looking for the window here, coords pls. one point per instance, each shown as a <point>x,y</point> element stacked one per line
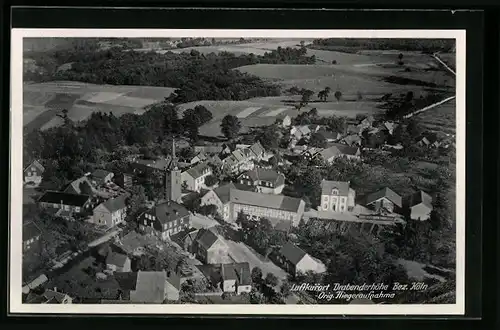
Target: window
<point>335,191</point>
<point>145,222</point>
<point>77,209</point>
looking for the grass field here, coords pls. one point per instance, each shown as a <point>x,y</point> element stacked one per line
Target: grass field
<point>441,120</point>
<point>44,100</point>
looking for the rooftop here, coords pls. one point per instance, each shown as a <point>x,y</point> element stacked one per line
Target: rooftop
<point>168,212</point>
<point>420,197</point>
<point>338,149</point>
<point>57,197</point>
<point>292,253</point>
<point>278,202</point>
<point>384,193</point>
<point>223,192</point>
<point>264,174</point>
<point>328,186</point>
<point>150,288</point>
<point>117,203</point>
<point>199,170</point>
<point>100,174</point>
<point>206,238</point>
<point>116,259</point>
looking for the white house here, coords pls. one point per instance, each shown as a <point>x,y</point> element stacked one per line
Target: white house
<point>337,196</point>
<point>111,212</point>
<point>195,176</point>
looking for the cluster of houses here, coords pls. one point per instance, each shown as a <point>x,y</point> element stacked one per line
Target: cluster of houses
<point>373,212</point>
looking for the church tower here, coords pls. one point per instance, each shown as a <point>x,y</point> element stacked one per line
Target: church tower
<point>173,179</point>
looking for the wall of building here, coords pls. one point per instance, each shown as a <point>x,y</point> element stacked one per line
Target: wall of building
<point>258,211</point>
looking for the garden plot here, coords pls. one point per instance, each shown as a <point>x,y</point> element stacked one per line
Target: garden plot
<point>247,112</point>
<point>102,97</point>
<point>274,113</point>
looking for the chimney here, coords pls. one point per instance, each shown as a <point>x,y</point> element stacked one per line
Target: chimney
<point>55,289</point>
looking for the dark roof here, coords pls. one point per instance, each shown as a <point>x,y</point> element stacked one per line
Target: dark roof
<point>387,193</point>
<point>237,271</point>
<point>168,212</point>
<point>338,149</point>
<point>126,280</point>
<point>75,186</point>
<point>282,225</point>
<point>278,202</point>
<point>420,197</point>
<point>30,230</point>
<point>198,170</point>
<point>37,164</point>
<point>328,186</point>
<point>100,174</point>
<point>292,253</point>
<point>54,296</point>
<point>206,238</point>
<point>223,192</point>
<point>257,149</point>
<point>115,204</point>
<point>56,197</point>
<point>174,280</point>
<point>116,259</point>
<point>265,174</point>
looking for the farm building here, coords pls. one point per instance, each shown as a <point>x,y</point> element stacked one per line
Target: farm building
<point>73,203</point>
<point>267,181</point>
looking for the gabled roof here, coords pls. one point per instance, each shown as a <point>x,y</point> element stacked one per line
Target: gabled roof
<point>158,164</point>
<point>75,187</point>
<point>56,197</point>
<point>223,192</point>
<point>36,164</point>
<point>206,238</point>
<point>30,230</point>
<point>54,296</point>
<point>351,139</point>
<point>116,259</point>
<point>279,202</point>
<point>264,174</point>
<point>150,287</point>
<point>237,271</point>
<point>338,149</point>
<point>117,203</point>
<point>208,149</point>
<point>100,174</point>
<point>238,155</point>
<point>387,193</point>
<point>257,149</point>
<point>292,253</point>
<point>168,212</point>
<point>420,197</point>
<point>174,280</point>
<point>328,186</point>
<point>198,170</point>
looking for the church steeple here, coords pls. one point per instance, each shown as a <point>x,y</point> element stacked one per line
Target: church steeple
<point>173,191</point>
<point>174,161</point>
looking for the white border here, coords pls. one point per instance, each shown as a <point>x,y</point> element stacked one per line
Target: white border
<point>16,192</point>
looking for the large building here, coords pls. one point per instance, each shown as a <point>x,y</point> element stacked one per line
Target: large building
<point>338,150</point>
<point>111,212</point>
<point>337,196</point>
<point>194,177</point>
<point>73,203</point>
<point>275,208</point>
<point>165,219</point>
<point>220,198</point>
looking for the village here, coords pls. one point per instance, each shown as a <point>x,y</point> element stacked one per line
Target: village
<point>189,246</point>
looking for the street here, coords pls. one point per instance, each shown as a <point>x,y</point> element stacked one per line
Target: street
<point>200,221</point>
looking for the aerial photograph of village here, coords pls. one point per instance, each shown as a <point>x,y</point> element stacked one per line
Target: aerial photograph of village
<point>239,171</point>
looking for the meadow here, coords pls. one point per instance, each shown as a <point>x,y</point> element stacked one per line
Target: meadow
<point>43,101</point>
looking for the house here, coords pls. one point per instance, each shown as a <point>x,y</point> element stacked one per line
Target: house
<point>310,153</point>
<point>111,212</point>
<point>337,150</point>
<point>351,140</point>
<point>199,157</point>
<point>258,150</point>
<point>73,203</point>
<point>195,176</point>
<point>164,219</point>
<point>420,205</point>
<point>300,132</point>
<point>337,196</point>
<point>33,173</point>
<point>220,198</point>
<point>267,181</point>
<point>283,120</point>
<point>276,208</point>
<point>141,166</point>
<point>155,288</point>
<point>31,235</point>
<point>101,177</point>
<point>124,180</point>
<point>423,142</point>
<point>384,200</point>
<point>330,136</point>
<point>239,160</point>
<point>236,277</point>
<point>366,123</point>
<point>186,239</point>
<point>118,262</point>
<point>81,186</point>
<point>49,297</point>
<point>294,260</point>
<point>389,127</point>
<point>210,248</point>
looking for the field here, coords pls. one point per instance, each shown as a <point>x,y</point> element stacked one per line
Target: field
<point>43,101</point>
<point>441,120</point>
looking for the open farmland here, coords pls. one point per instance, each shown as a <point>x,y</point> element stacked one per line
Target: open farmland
<point>440,120</point>
<point>43,101</point>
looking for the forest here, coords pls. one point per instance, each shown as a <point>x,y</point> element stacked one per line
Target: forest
<point>196,76</point>
<point>353,45</point>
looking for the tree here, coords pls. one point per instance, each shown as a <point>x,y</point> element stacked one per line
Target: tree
<point>271,280</point>
<point>285,288</point>
<point>317,140</point>
<point>256,276</point>
<point>360,96</point>
<point>338,95</point>
<point>306,95</point>
<point>230,126</point>
<point>400,56</point>
<point>269,138</point>
<point>137,199</point>
<point>211,180</point>
<point>334,62</point>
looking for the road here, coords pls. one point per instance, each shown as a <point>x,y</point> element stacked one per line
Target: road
<point>432,106</point>
<point>435,55</point>
<point>200,221</point>
<point>242,253</point>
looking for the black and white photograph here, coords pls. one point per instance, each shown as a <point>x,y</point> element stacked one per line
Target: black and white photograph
<point>231,168</point>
